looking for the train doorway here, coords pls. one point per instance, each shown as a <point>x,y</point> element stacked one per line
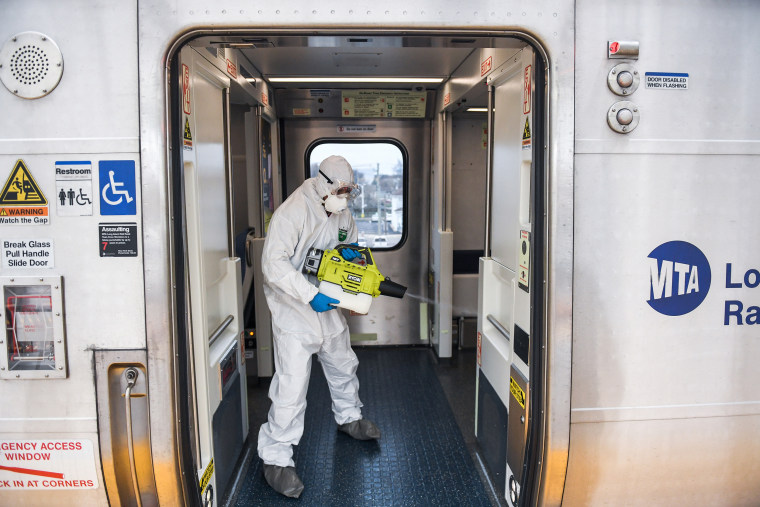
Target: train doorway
<point>458,219</point>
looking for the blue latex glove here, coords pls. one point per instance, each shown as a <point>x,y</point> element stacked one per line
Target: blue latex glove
<point>322,303</point>
<point>350,254</point>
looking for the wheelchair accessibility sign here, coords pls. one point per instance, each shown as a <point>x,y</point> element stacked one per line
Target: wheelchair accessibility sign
<point>117,187</point>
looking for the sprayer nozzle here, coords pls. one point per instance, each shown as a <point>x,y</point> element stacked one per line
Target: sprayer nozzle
<point>392,289</point>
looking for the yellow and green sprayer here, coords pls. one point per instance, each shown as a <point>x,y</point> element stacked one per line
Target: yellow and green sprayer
<point>354,283</point>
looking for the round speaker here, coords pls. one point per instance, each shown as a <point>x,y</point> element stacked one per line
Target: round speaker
<point>31,65</point>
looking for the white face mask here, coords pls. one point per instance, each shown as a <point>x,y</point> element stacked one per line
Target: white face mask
<point>335,204</point>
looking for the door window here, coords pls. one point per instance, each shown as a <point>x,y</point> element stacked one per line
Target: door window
<point>380,171</point>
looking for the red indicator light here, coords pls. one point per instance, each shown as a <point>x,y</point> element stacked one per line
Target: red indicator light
<point>614,47</point>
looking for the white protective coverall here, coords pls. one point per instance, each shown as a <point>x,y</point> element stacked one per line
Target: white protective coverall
<point>299,224</point>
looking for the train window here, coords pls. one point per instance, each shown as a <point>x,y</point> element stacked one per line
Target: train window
<point>380,170</point>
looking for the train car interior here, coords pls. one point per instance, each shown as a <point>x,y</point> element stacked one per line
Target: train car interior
<point>445,134</point>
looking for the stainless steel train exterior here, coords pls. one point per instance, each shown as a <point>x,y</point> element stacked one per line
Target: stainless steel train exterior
<point>611,188</point>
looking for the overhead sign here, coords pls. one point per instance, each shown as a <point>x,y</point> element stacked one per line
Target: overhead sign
<point>185,89</point>
<point>666,80</point>
<point>21,199</point>
<point>355,129</point>
<point>117,187</point>
<point>47,464</point>
<point>527,89</point>
<point>383,104</point>
<point>73,187</point>
<point>28,253</point>
<point>485,66</point>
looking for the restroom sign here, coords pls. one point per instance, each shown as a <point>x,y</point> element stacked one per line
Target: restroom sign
<point>47,464</point>
<point>73,188</point>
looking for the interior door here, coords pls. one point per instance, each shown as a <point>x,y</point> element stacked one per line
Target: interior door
<point>506,282</point>
<point>214,276</point>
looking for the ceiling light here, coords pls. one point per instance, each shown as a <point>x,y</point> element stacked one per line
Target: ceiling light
<point>355,79</point>
<point>477,109</point>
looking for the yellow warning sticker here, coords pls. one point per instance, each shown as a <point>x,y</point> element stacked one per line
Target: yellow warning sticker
<point>526,130</point>
<point>517,392</point>
<point>207,475</point>
<point>188,137</point>
<point>20,189</point>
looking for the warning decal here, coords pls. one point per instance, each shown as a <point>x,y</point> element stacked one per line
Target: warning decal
<point>517,392</point>
<point>526,134</point>
<point>47,464</point>
<point>188,137</point>
<point>207,475</point>
<point>21,189</point>
<point>21,200</point>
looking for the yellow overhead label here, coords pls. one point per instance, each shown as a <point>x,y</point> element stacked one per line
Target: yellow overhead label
<point>21,189</point>
<point>383,104</point>
<point>517,392</point>
<point>207,475</point>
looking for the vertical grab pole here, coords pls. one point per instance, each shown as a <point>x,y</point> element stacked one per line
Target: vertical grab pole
<point>131,376</point>
<point>489,172</point>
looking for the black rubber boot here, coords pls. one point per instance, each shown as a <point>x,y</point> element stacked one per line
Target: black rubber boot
<point>284,480</point>
<point>361,429</point>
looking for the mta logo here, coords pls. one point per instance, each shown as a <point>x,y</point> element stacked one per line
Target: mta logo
<point>679,277</point>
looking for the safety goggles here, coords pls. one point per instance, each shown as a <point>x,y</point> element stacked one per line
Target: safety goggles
<point>344,188</point>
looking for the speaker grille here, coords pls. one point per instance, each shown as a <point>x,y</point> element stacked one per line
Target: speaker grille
<point>31,65</point>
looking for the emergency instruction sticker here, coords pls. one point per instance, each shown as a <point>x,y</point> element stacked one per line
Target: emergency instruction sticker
<point>28,253</point>
<point>118,240</point>
<point>47,464</point>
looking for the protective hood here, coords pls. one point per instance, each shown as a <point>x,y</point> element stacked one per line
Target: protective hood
<point>337,169</point>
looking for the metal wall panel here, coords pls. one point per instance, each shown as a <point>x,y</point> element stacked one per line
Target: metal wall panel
<point>658,397</point>
<point>92,115</point>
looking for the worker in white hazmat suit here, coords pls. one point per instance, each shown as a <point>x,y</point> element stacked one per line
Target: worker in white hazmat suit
<point>305,322</point>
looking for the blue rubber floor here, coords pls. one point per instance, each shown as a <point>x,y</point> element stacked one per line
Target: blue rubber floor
<point>421,459</point>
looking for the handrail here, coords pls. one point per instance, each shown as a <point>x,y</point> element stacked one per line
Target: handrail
<point>498,326</point>
<point>131,375</point>
<point>220,329</point>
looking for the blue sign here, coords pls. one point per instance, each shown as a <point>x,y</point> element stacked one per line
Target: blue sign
<point>679,276</point>
<point>117,187</point>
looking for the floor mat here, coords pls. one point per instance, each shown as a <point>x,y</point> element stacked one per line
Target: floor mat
<point>421,458</point>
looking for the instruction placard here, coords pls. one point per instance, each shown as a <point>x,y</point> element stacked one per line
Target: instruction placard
<point>73,187</point>
<point>118,240</point>
<point>383,104</point>
<point>21,199</point>
<point>47,464</point>
<point>28,253</point>
<point>667,80</point>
